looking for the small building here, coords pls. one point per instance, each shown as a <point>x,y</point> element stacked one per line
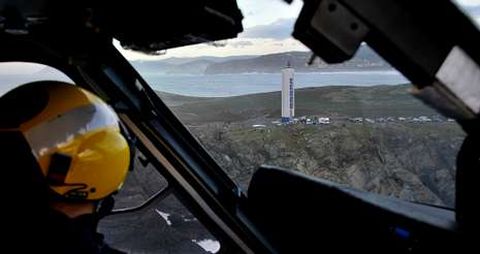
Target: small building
<point>324,120</point>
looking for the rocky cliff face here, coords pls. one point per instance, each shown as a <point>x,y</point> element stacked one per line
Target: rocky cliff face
<point>398,160</point>
<point>406,160</point>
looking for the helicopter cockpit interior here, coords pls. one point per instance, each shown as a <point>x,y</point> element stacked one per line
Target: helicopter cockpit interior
<point>433,44</point>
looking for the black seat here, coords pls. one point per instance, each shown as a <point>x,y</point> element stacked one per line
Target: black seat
<point>24,194</point>
<point>301,214</point>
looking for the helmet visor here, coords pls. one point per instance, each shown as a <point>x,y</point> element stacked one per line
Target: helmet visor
<point>60,130</point>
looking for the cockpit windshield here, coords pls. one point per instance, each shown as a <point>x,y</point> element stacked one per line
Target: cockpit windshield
<point>263,99</point>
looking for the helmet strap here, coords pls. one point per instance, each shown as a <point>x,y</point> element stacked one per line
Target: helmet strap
<point>58,169</point>
<point>105,207</point>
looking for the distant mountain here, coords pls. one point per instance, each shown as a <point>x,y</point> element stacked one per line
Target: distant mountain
<point>149,67</point>
<point>193,67</point>
<point>183,65</point>
<point>215,59</point>
<point>364,59</point>
<point>271,63</point>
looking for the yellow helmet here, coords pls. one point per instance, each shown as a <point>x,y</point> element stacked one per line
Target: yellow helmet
<point>74,136</point>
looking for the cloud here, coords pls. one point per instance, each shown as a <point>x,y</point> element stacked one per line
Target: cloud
<point>263,12</point>
<point>279,30</point>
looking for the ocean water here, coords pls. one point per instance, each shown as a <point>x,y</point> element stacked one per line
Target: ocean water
<point>223,85</point>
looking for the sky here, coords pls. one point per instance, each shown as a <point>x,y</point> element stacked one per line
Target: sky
<point>472,7</point>
<point>469,2</point>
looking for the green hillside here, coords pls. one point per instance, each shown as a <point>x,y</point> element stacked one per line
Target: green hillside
<point>410,159</point>
<point>334,101</point>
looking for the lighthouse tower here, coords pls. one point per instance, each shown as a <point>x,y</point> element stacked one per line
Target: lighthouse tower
<point>288,94</point>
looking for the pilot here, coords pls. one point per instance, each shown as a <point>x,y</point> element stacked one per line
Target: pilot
<point>79,156</point>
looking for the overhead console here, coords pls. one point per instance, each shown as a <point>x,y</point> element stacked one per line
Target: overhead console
<point>150,26</point>
<point>142,25</point>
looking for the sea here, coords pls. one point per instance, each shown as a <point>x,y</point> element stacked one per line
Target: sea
<point>224,85</point>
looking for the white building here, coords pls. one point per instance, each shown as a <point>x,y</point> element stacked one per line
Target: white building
<point>288,94</point>
<point>324,120</point>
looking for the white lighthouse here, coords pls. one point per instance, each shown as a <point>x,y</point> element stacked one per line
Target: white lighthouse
<point>288,94</point>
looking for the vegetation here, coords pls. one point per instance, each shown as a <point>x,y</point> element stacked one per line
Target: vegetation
<point>411,160</point>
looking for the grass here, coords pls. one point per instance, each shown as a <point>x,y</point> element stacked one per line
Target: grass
<point>341,101</point>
